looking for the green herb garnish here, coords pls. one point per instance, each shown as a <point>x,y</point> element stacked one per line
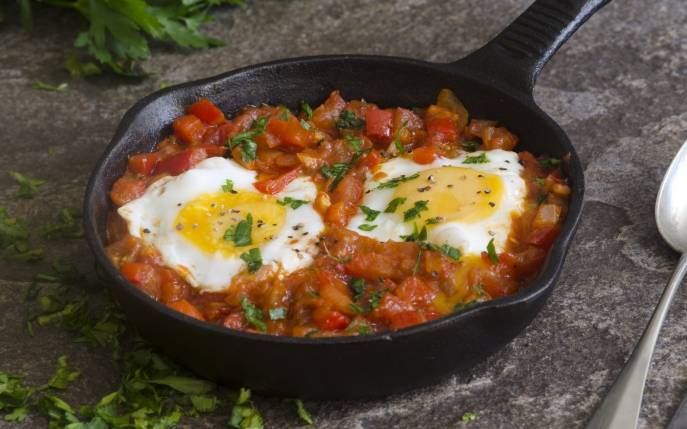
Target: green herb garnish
<point>259,125</point>
<point>396,182</point>
<point>413,212</point>
<point>241,234</point>
<point>468,417</point>
<point>253,259</point>
<point>469,145</point>
<point>70,228</point>
<point>294,203</point>
<point>28,187</point>
<point>549,162</point>
<point>229,186</point>
<point>357,285</point>
<point>253,315</point>
<point>491,252</point>
<point>277,313</point>
<point>398,143</point>
<point>339,260</point>
<point>367,227</point>
<point>371,214</point>
<point>358,309</point>
<point>305,125</point>
<point>41,85</point>
<point>305,107</point>
<point>393,205</point>
<point>337,171</point>
<point>478,159</point>
<point>347,119</point>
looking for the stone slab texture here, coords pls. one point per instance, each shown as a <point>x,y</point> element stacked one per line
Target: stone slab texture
<point>617,87</point>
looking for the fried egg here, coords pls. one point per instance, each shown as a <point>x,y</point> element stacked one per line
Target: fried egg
<point>462,203</point>
<point>186,218</point>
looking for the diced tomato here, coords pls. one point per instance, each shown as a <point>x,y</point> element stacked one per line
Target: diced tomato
<point>218,136</point>
<point>189,129</point>
<point>328,320</point>
<point>543,238</point>
<point>379,124</point>
<point>373,265</point>
<point>186,308</point>
<point>127,189</point>
<point>425,155</point>
<point>290,133</point>
<point>406,318</point>
<point>415,291</point>
<point>277,184</point>
<point>492,283</point>
<point>206,112</point>
<point>349,190</point>
<point>372,159</point>
<point>143,163</point>
<point>324,116</point>
<point>340,213</point>
<point>443,128</point>
<point>334,292</point>
<point>187,159</point>
<point>144,276</point>
<point>498,138</point>
<point>235,321</point>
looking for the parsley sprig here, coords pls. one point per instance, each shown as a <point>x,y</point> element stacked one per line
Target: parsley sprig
<point>396,181</point>
<point>240,234</point>
<point>347,119</point>
<point>337,171</point>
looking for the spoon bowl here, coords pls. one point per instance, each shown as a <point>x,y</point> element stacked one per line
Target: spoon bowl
<point>495,82</point>
<point>620,408</point>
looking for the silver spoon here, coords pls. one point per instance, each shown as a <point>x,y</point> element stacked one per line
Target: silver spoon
<point>620,408</point>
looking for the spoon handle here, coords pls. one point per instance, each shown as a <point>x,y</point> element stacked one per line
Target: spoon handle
<point>620,408</point>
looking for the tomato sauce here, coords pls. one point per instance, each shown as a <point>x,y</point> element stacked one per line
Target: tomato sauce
<point>356,284</point>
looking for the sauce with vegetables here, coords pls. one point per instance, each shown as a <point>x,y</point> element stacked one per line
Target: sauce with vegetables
<point>346,219</point>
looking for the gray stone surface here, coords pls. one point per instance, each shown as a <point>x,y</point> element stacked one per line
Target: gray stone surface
<point>617,87</point>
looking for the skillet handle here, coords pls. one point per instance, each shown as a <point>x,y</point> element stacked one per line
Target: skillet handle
<point>516,56</point>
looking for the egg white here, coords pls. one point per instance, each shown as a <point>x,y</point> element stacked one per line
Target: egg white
<point>470,238</point>
<point>152,218</point>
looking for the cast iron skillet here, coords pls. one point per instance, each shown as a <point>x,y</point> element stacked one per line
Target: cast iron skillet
<point>494,82</point>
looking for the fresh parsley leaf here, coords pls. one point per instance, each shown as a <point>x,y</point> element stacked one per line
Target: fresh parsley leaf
<point>393,204</point>
<point>358,309</point>
<point>431,221</point>
<point>253,315</point>
<point>32,291</point>
<point>313,332</point>
<point>469,145</point>
<point>468,417</point>
<point>241,234</point>
<point>187,385</point>
<point>253,259</point>
<point>314,294</point>
<point>337,171</point>
<point>339,260</point>
<point>413,212</point>
<point>417,263</point>
<point>543,195</point>
<point>164,85</point>
<point>416,235</point>
<point>229,186</point>
<point>69,229</point>
<point>396,182</point>
<point>294,203</point>
<point>491,251</point>
<point>248,151</point>
<point>284,116</point>
<point>478,159</point>
<point>78,69</point>
<point>375,297</point>
<point>371,214</point>
<point>347,119</point>
<point>244,140</point>
<point>364,328</point>
<point>41,85</point>
<point>367,227</point>
<point>63,376</point>
<point>549,162</point>
<point>28,187</point>
<point>450,251</point>
<point>277,313</point>
<point>357,285</point>
<point>398,143</point>
<point>302,413</point>
<point>305,107</point>
<point>355,144</point>
<point>305,125</point>
<point>259,124</point>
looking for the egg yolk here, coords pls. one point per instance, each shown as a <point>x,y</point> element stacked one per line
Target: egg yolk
<point>204,220</point>
<point>453,194</point>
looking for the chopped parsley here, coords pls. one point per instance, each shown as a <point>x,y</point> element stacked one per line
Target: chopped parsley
<point>241,234</point>
<point>305,125</point>
<point>41,85</point>
<point>398,143</point>
<point>253,315</point>
<point>253,259</point>
<point>284,116</point>
<point>371,214</point>
<point>478,159</point>
<point>355,144</point>
<point>339,260</point>
<point>549,162</point>
<point>469,145</point>
<point>305,107</point>
<point>396,182</point>
<point>314,294</point>
<point>244,140</point>
<point>14,235</point>
<point>393,205</point>
<point>347,119</point>
<point>468,417</point>
<point>460,306</point>
<point>229,186</point>
<point>358,309</point>
<point>70,228</point>
<point>491,252</point>
<point>543,195</point>
<point>357,285</point>
<point>243,414</point>
<point>28,187</point>
<point>277,313</point>
<point>337,171</point>
<point>375,297</point>
<point>302,413</point>
<point>413,212</point>
<point>420,237</point>
<point>417,263</point>
<point>367,227</point>
<point>294,203</point>
<point>258,124</point>
<point>362,327</point>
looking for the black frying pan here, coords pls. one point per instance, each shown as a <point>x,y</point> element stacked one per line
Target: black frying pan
<point>494,82</point>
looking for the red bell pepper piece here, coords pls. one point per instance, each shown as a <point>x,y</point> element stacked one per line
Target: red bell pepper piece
<point>187,159</point>
<point>379,124</point>
<point>206,112</point>
<point>425,155</point>
<point>144,163</point>
<point>277,184</point>
<point>189,129</point>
